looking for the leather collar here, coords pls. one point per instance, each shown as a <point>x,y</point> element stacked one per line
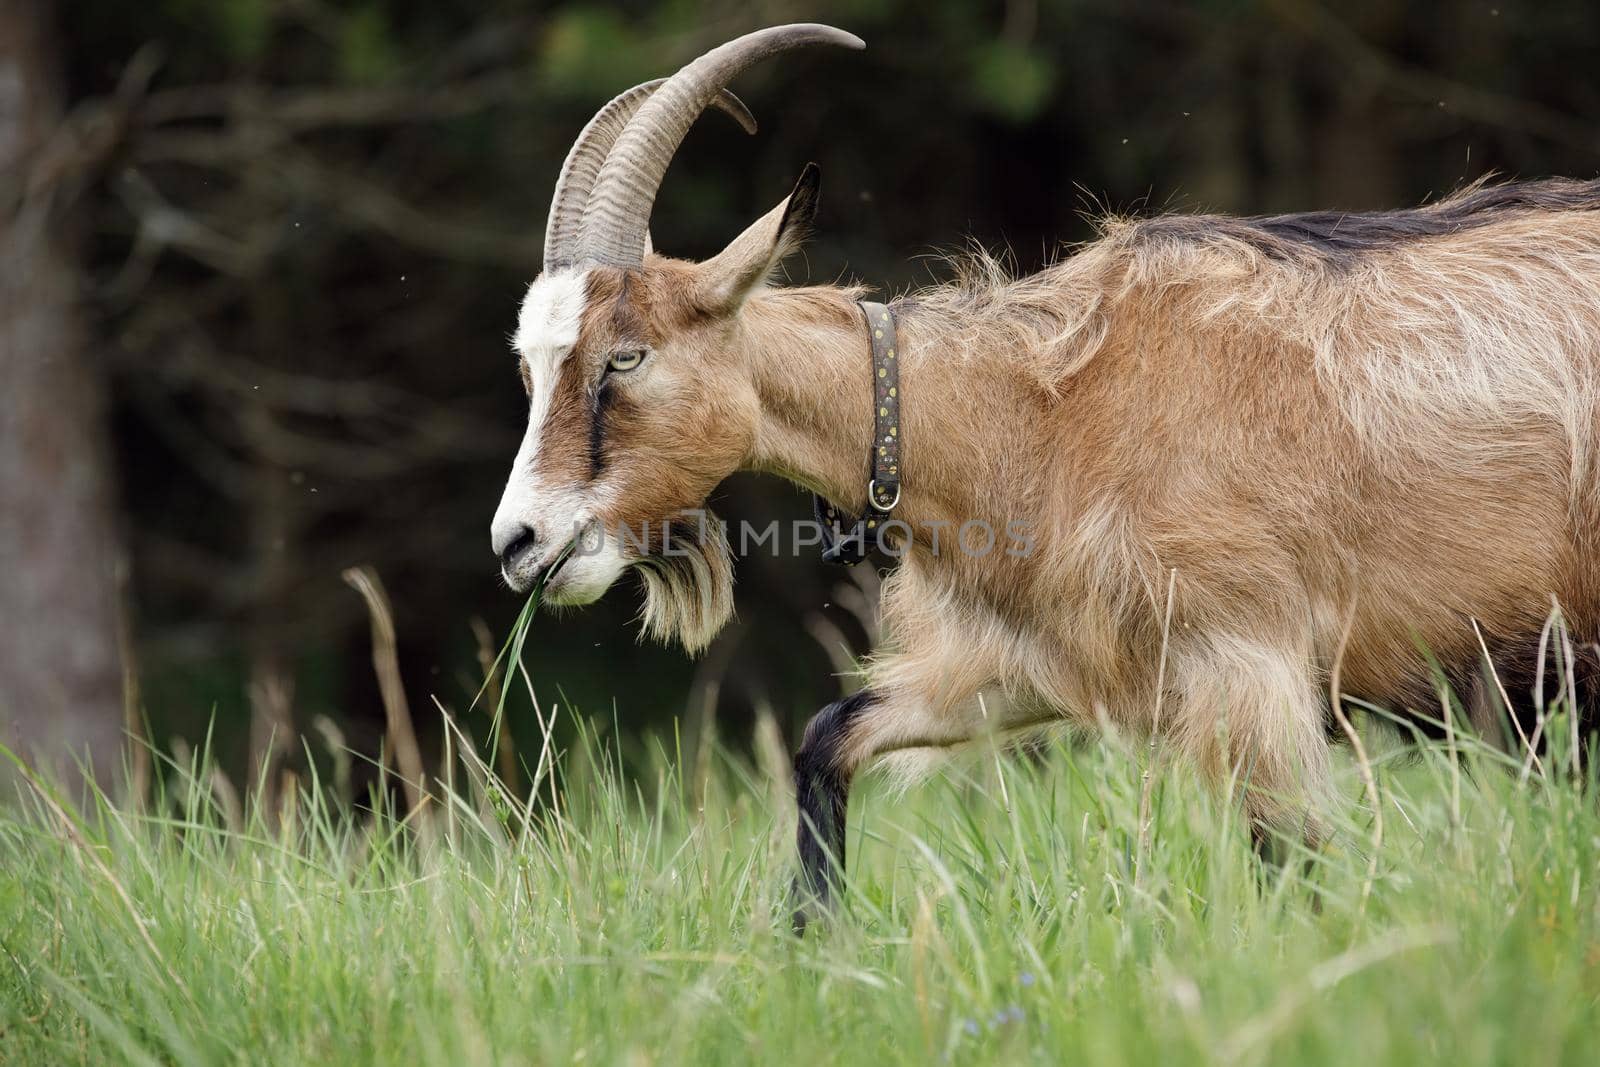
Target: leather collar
<point>847,539</point>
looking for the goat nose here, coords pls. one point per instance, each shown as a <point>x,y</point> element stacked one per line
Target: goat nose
<point>521,545</point>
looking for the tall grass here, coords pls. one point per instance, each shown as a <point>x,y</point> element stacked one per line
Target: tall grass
<point>1015,908</point>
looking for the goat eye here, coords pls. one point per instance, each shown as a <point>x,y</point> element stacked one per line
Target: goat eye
<point>626,360</point>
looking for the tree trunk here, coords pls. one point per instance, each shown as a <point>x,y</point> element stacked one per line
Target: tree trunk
<point>61,684</point>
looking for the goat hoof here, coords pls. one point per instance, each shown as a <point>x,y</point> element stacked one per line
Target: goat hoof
<point>809,909</point>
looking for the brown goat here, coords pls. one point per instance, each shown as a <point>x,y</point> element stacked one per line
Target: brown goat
<point>1330,436</point>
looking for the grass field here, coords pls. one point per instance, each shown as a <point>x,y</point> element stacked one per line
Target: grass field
<point>1012,909</point>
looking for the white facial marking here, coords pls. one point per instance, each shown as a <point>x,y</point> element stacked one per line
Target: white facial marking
<point>547,330</point>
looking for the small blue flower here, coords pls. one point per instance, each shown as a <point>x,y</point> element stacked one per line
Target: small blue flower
<point>1014,1013</point>
<point>1026,978</point>
<point>971,1027</point>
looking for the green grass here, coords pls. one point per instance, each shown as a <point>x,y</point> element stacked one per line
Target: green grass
<point>647,923</point>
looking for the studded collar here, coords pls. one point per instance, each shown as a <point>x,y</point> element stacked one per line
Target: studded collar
<point>847,539</point>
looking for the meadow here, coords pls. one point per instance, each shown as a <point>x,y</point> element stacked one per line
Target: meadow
<point>1081,904</point>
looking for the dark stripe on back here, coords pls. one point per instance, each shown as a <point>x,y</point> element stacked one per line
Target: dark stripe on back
<point>1342,234</point>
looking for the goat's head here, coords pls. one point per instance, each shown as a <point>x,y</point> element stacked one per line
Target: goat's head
<point>636,409</point>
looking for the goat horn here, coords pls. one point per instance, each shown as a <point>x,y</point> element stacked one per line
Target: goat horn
<point>618,212</point>
<point>587,155</point>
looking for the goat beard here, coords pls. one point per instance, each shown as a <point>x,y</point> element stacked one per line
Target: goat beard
<point>688,582</point>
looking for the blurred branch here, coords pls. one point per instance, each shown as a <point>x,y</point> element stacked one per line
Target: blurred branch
<point>84,140</point>
<point>192,360</point>
<point>251,118</point>
<point>355,197</point>
<point>307,179</point>
<point>1466,101</point>
<point>298,111</point>
<point>162,225</point>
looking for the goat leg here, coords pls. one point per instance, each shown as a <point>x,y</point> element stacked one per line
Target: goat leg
<point>822,773</point>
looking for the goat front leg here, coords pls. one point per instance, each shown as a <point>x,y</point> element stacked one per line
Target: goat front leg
<point>840,740</point>
<point>822,772</point>
<point>1248,709</point>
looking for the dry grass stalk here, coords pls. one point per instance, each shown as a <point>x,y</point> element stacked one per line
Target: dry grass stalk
<point>1368,779</point>
<point>386,664</point>
<point>1147,789</point>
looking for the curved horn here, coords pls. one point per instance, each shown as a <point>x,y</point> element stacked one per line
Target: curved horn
<point>618,212</point>
<point>589,152</point>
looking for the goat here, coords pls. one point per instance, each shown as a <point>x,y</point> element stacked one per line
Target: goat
<point>1255,454</point>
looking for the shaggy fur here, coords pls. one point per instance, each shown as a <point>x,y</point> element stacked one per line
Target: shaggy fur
<point>688,582</point>
<point>1388,432</point>
<point>1320,432</point>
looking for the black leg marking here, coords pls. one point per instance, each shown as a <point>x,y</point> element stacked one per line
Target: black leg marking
<point>1274,851</point>
<point>822,787</point>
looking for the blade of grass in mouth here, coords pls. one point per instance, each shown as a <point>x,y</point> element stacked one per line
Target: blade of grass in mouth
<point>544,579</point>
<point>511,651</point>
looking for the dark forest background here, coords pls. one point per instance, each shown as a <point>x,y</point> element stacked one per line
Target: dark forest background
<point>259,260</point>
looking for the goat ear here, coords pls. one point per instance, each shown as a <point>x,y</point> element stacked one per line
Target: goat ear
<point>724,280</point>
